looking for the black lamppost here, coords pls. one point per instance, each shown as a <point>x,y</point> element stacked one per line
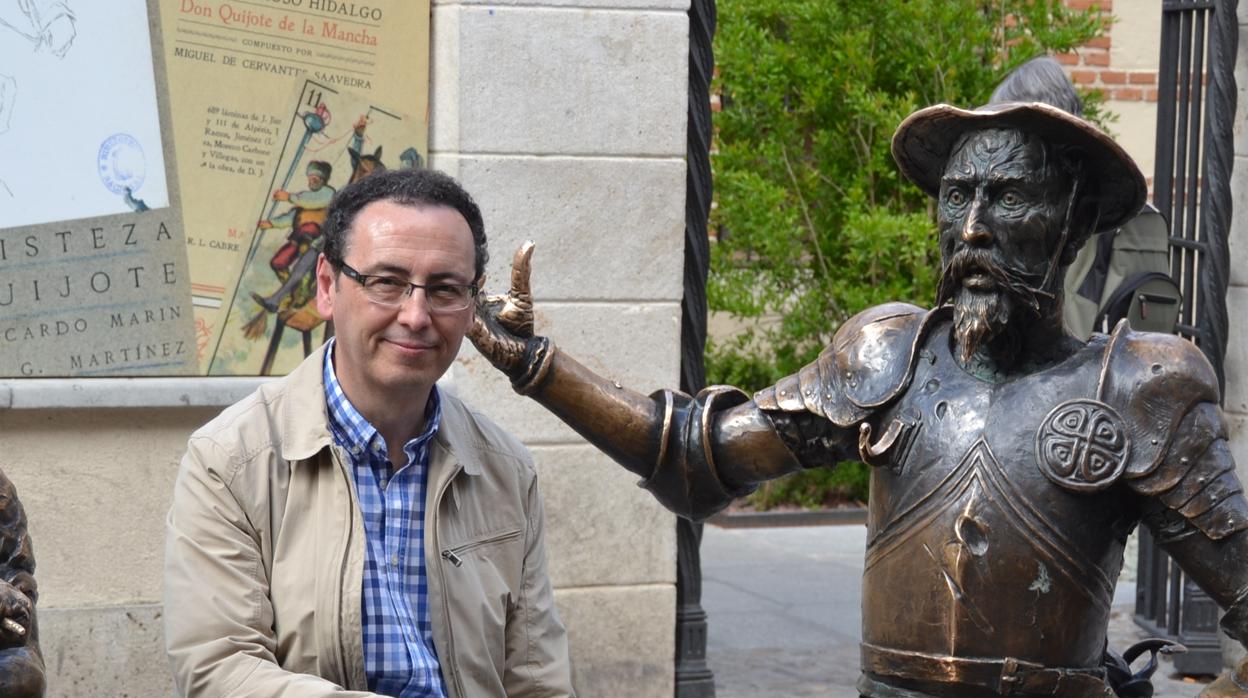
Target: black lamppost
<point>693,677</point>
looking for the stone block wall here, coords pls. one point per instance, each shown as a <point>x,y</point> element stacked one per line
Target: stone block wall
<point>1235,399</point>
<point>1235,403</point>
<point>566,120</point>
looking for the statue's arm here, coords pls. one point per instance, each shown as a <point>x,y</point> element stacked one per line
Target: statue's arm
<point>1194,505</point>
<point>694,453</point>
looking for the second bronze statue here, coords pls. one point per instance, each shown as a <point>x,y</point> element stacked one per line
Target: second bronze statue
<point>21,661</point>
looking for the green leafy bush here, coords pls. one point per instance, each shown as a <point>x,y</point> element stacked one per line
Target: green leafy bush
<point>813,221</point>
<point>815,489</point>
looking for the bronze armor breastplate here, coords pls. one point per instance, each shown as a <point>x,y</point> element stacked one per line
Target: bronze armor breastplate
<point>974,551</point>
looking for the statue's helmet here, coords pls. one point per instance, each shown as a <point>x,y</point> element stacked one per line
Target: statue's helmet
<point>923,144</point>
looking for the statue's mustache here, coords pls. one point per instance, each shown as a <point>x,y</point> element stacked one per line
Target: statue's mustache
<point>977,260</point>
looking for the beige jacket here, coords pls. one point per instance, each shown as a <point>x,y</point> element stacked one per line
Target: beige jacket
<point>264,557</point>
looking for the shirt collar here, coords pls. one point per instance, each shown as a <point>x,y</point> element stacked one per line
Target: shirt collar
<point>353,432</point>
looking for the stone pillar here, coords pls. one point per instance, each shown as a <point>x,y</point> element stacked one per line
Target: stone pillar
<point>566,119</point>
<point>1235,398</point>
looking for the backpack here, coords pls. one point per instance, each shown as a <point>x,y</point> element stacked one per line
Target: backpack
<point>1148,300</point>
<point>1124,274</point>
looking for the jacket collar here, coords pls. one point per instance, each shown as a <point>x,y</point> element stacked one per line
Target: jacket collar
<point>457,441</point>
<point>302,415</point>
<point>303,419</point>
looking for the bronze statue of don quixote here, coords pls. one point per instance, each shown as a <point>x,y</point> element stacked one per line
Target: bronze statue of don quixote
<point>1010,460</point>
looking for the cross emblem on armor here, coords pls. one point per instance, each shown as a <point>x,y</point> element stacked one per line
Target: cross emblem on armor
<point>1082,445</point>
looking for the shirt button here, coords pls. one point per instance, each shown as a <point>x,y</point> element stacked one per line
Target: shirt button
<point>355,449</point>
<point>394,560</point>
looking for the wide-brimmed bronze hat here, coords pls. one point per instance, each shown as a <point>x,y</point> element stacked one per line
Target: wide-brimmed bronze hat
<point>922,145</point>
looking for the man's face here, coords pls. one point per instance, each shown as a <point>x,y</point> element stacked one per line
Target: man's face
<point>391,354</point>
<point>1001,211</point>
<point>315,182</point>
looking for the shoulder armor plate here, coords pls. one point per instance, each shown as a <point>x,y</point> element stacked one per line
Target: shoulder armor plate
<point>1153,380</point>
<point>869,362</point>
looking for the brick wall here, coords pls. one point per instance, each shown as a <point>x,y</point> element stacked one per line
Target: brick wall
<point>1122,66</point>
<point>1092,65</point>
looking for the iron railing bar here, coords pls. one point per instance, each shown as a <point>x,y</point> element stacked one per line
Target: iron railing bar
<point>1192,169</point>
<point>1176,598</point>
<point>1188,330</point>
<point>1162,577</point>
<point>1198,245</point>
<point>1184,145</point>
<point>1194,106</point>
<point>1159,589</point>
<point>1178,217</point>
<point>1163,167</point>
<point>1163,174</point>
<point>1144,562</point>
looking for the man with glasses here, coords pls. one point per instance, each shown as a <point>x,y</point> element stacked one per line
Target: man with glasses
<point>351,530</point>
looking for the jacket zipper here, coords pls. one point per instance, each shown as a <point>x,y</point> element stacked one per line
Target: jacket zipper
<point>446,603</point>
<point>342,572</point>
<point>452,555</point>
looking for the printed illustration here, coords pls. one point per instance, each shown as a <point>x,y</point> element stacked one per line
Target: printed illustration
<point>233,69</point>
<point>46,24</point>
<point>334,138</point>
<point>73,93</point>
<point>51,27</point>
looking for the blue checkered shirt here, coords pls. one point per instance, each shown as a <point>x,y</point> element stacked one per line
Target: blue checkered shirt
<point>399,657</point>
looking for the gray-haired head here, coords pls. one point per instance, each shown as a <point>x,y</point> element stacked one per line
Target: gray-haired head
<point>1040,79</point>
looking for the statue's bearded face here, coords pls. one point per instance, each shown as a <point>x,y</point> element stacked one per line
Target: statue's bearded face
<point>1001,211</point>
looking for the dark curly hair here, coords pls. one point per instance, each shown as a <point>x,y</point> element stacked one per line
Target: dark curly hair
<point>408,187</point>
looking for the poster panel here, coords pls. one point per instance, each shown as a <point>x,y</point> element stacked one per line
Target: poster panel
<point>233,66</point>
<point>93,268</point>
<point>332,137</point>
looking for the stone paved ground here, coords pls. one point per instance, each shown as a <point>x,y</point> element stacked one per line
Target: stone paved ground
<point>785,615</point>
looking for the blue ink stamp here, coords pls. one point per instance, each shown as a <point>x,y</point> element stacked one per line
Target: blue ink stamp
<point>122,165</point>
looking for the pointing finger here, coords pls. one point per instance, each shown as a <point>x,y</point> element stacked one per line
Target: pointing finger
<point>521,265</point>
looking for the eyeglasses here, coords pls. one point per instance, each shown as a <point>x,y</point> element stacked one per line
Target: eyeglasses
<point>392,292</point>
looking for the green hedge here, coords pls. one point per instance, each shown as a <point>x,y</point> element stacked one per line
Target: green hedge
<point>813,222</point>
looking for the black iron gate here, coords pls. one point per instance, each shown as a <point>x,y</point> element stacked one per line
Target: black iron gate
<point>1191,187</point>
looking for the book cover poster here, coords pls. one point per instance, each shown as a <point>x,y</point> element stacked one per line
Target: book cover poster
<point>331,138</point>
<point>233,65</point>
<point>93,269</point>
